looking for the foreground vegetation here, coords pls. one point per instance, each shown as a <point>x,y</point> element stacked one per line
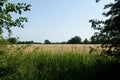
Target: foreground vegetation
<point>40,64</point>
<point>58,65</point>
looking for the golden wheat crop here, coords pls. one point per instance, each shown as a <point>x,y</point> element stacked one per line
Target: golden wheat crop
<point>55,48</point>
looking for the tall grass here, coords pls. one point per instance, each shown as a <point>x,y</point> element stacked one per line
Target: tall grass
<point>58,66</point>
<point>46,65</point>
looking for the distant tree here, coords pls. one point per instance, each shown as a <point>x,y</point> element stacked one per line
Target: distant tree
<point>86,41</point>
<point>37,42</point>
<point>56,43</point>
<point>74,40</point>
<point>98,39</point>
<point>63,42</point>
<point>47,41</point>
<point>25,42</point>
<point>12,40</point>
<point>30,42</point>
<point>94,38</point>
<point>110,28</point>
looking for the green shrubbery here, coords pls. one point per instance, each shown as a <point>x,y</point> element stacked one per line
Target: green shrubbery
<point>58,66</point>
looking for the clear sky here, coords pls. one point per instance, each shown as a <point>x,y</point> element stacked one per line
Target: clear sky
<point>59,20</point>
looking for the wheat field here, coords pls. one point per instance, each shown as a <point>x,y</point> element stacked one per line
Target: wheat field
<point>58,48</point>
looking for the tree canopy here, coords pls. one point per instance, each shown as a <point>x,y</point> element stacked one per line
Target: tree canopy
<point>47,41</point>
<point>110,28</point>
<point>12,40</point>
<point>7,19</point>
<point>86,41</point>
<point>74,40</point>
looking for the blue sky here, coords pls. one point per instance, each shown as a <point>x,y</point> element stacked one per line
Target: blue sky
<point>59,20</point>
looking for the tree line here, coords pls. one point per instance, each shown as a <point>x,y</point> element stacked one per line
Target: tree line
<point>95,39</point>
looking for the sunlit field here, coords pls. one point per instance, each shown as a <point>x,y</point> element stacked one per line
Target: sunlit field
<point>61,48</point>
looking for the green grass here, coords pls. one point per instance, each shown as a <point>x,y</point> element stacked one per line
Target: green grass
<point>58,66</point>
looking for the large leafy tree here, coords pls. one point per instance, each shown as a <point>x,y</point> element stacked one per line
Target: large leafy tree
<point>86,41</point>
<point>110,28</point>
<point>12,40</point>
<point>47,41</point>
<point>97,39</point>
<point>7,21</point>
<point>74,40</point>
<point>7,10</point>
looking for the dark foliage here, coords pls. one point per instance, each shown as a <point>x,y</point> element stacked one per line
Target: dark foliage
<point>12,40</point>
<point>74,40</point>
<point>86,41</point>
<point>47,41</point>
<point>26,42</point>
<point>110,28</point>
<point>6,19</point>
